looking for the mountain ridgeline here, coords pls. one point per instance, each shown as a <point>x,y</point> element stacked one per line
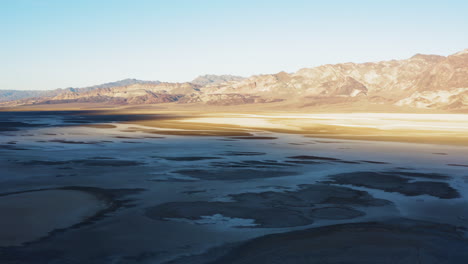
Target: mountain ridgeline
<point>422,81</point>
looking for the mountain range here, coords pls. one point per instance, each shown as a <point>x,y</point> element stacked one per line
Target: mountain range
<point>422,81</point>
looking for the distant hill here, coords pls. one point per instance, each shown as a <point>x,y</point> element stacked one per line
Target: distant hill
<point>14,95</point>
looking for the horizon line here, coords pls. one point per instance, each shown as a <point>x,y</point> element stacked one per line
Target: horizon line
<point>246,77</point>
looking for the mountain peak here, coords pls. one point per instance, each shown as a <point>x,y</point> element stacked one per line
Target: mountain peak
<point>463,52</point>
<point>427,57</point>
<point>124,82</point>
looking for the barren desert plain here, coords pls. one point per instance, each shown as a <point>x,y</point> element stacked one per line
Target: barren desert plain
<point>149,185</point>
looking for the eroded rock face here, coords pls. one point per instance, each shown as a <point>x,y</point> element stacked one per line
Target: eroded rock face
<point>451,72</point>
<point>442,99</point>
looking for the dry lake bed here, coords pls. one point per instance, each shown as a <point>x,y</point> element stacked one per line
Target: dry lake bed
<point>112,187</point>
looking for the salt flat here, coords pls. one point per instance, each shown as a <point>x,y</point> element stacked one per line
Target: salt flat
<point>116,187</point>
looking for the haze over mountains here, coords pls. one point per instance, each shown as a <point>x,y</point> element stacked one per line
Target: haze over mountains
<point>422,81</point>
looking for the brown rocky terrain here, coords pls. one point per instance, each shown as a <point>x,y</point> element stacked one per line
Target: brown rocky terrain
<point>422,81</point>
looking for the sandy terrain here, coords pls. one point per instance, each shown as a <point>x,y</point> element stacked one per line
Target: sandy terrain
<point>416,128</point>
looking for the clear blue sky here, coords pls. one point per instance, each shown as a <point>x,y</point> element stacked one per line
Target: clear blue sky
<point>48,44</point>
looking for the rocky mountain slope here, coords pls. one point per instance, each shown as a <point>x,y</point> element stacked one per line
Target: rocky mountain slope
<point>422,81</point>
<point>215,79</point>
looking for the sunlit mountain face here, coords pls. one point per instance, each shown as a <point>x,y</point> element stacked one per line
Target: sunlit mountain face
<point>427,82</point>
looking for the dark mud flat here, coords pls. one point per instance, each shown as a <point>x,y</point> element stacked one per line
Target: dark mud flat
<point>306,162</point>
<point>435,176</point>
<point>458,165</point>
<point>15,126</point>
<point>125,137</point>
<point>297,144</point>
<point>91,119</point>
<point>170,177</point>
<point>373,162</point>
<point>255,137</point>
<point>100,126</point>
<point>335,213</point>
<point>73,142</point>
<point>85,162</point>
<point>329,142</point>
<point>277,209</point>
<point>391,182</point>
<point>307,159</point>
<point>243,153</point>
<point>234,174</point>
<point>398,241</point>
<point>192,158</point>
<point>203,133</point>
<point>251,164</point>
<point>34,215</point>
<point>11,147</point>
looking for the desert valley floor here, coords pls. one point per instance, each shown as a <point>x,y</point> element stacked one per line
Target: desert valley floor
<point>113,187</point>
